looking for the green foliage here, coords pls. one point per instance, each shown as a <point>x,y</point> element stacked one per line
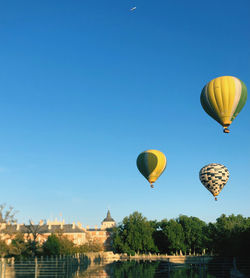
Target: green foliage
<point>89,247</point>
<point>34,247</point>
<point>67,247</point>
<point>230,235</point>
<point>58,245</point>
<point>159,237</point>
<point>19,248</point>
<point>134,234</point>
<point>3,248</point>
<point>174,234</point>
<point>193,229</point>
<point>184,233</point>
<point>52,245</point>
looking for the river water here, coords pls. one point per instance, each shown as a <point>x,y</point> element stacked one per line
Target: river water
<point>66,268</point>
<point>159,269</point>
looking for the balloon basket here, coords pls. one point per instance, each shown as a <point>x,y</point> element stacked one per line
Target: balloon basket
<point>226,130</point>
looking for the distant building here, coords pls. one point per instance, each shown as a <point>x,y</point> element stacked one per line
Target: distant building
<point>75,232</point>
<point>108,222</point>
<point>102,235</point>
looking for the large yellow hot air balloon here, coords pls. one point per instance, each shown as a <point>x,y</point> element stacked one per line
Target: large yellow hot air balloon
<point>151,164</point>
<point>223,98</point>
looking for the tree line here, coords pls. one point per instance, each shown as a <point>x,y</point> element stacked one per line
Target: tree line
<point>56,244</point>
<point>26,244</point>
<point>229,235</point>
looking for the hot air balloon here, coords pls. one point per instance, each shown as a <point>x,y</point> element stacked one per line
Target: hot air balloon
<point>223,98</point>
<point>151,164</point>
<point>214,176</point>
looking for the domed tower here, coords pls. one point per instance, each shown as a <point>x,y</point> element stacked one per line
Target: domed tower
<point>108,222</point>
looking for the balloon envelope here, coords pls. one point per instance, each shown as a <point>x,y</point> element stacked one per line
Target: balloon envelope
<point>214,176</point>
<point>151,164</point>
<point>223,98</point>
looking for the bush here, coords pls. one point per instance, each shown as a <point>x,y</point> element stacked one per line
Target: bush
<point>89,247</point>
<point>58,245</point>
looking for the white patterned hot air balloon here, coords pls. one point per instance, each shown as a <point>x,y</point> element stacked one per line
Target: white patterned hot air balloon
<point>214,176</point>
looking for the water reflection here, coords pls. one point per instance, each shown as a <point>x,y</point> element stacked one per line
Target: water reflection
<point>215,268</point>
<point>132,269</point>
<point>145,269</point>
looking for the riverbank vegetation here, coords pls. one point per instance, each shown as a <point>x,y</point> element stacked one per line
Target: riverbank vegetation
<point>55,245</point>
<point>229,235</point>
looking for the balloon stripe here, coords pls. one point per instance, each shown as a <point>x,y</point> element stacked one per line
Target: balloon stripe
<point>209,104</point>
<point>231,94</point>
<point>225,96</point>
<point>242,100</point>
<point>212,99</point>
<point>238,92</point>
<point>224,86</point>
<point>142,165</point>
<point>160,165</point>
<point>206,104</point>
<point>145,165</point>
<point>151,162</point>
<point>218,87</point>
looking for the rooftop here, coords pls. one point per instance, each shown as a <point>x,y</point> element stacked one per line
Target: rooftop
<point>108,218</point>
<point>44,229</point>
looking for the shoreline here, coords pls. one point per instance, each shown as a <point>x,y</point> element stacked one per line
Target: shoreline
<point>109,257</point>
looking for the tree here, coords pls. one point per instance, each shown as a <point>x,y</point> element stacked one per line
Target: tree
<point>230,235</point>
<point>19,247</point>
<point>33,232</point>
<point>174,234</point>
<point>159,236</point>
<point>67,247</point>
<point>58,245</point>
<point>90,246</point>
<point>134,234</point>
<point>3,248</point>
<point>209,234</point>
<point>7,215</point>
<point>52,245</point>
<point>193,229</point>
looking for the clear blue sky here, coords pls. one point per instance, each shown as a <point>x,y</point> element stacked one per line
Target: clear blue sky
<point>87,85</point>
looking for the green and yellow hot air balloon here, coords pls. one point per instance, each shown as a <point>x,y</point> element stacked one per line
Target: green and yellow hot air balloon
<point>223,98</point>
<point>151,164</point>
